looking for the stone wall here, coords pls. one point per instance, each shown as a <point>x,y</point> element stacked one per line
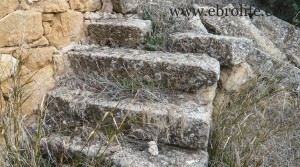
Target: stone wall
<point>33,32</point>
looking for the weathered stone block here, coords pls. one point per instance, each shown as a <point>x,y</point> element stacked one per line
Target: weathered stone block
<point>119,32</point>
<point>36,58</point>
<point>48,17</point>
<point>186,124</point>
<point>185,72</point>
<point>52,6</point>
<point>228,50</point>
<point>241,26</point>
<point>127,6</point>
<point>86,5</point>
<point>66,28</point>
<point>284,35</point>
<point>132,154</point>
<point>20,27</point>
<point>232,78</point>
<point>8,6</point>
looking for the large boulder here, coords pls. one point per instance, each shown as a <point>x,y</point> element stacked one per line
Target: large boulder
<point>66,28</point>
<point>20,27</point>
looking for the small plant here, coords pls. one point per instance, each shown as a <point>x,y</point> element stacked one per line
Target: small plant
<point>162,25</point>
<point>19,147</point>
<point>154,43</point>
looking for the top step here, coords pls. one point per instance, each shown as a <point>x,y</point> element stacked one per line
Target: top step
<point>185,72</point>
<point>228,50</point>
<point>118,32</point>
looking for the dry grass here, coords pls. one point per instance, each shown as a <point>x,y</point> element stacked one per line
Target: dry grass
<point>21,144</point>
<point>19,147</point>
<point>257,126</point>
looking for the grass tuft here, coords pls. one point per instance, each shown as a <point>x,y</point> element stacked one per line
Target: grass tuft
<point>257,126</point>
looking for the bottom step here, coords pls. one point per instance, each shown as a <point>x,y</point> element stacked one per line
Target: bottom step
<point>184,124</point>
<point>132,154</point>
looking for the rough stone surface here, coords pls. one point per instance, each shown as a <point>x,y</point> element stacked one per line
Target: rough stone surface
<point>241,26</point>
<point>206,95</point>
<point>8,66</point>
<point>48,17</point>
<point>8,50</point>
<point>74,146</point>
<point>36,58</point>
<point>228,50</point>
<point>52,6</point>
<point>186,124</point>
<point>8,6</point>
<point>2,106</point>
<point>20,27</point>
<point>284,35</point>
<point>42,82</point>
<point>233,78</point>
<point>86,5</point>
<point>190,24</point>
<point>107,6</point>
<point>127,6</point>
<point>66,28</point>
<point>47,28</point>
<point>119,32</point>
<point>132,154</point>
<point>186,72</point>
<point>39,43</point>
<point>94,16</point>
<point>271,67</point>
<point>58,64</point>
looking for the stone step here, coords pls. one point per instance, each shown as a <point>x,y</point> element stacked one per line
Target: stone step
<point>132,154</point>
<point>228,50</point>
<point>118,32</point>
<point>182,122</point>
<point>185,72</point>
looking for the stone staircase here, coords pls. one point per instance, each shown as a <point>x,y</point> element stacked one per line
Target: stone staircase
<point>148,96</point>
<point>177,114</point>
